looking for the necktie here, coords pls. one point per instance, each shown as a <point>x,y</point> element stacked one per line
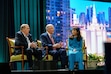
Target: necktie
<point>52,39</point>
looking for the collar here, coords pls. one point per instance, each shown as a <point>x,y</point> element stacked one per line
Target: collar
<point>24,34</point>
<point>49,34</point>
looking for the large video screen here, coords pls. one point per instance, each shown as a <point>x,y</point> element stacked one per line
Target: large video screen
<point>94,19</point>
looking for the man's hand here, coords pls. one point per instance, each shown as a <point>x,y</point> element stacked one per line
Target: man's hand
<point>61,44</point>
<point>57,45</point>
<point>33,45</point>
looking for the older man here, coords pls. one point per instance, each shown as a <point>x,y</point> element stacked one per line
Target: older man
<point>24,38</point>
<point>54,48</point>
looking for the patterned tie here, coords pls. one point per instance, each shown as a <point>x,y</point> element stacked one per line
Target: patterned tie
<point>52,39</point>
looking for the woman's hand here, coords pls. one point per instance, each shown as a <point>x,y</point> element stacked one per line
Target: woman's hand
<point>74,50</point>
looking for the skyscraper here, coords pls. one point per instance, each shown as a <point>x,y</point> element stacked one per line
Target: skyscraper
<point>109,13</point>
<point>58,14</point>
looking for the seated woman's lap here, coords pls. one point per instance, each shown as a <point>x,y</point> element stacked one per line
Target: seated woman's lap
<point>77,57</point>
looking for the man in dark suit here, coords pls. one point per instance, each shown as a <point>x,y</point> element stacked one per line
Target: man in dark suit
<point>24,38</point>
<point>54,48</point>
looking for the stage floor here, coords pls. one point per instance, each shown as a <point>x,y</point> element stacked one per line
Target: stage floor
<point>58,71</point>
<point>5,69</point>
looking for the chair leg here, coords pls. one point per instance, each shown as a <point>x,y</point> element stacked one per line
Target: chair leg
<point>76,65</point>
<point>10,65</point>
<point>85,64</point>
<point>22,64</point>
<point>13,65</point>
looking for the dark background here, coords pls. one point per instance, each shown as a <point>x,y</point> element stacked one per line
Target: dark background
<point>13,13</point>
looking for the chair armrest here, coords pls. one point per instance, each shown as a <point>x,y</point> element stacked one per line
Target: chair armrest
<point>85,47</point>
<point>22,47</point>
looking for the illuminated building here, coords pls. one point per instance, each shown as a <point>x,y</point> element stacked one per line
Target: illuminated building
<point>93,32</point>
<point>58,14</point>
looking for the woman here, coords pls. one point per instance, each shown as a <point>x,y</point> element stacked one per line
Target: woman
<point>75,49</point>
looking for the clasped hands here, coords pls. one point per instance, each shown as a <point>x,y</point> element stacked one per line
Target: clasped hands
<point>58,45</point>
<point>33,45</point>
<point>74,50</point>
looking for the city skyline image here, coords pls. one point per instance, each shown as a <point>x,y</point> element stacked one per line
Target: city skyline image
<point>91,16</point>
<point>81,5</point>
<point>94,17</point>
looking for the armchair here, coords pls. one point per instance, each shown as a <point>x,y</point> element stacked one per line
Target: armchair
<point>47,57</point>
<point>15,58</point>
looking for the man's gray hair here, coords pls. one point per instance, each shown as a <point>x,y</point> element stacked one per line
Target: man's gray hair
<point>23,26</point>
<point>48,25</point>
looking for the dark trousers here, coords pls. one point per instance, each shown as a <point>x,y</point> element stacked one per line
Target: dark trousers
<point>36,53</point>
<point>59,54</point>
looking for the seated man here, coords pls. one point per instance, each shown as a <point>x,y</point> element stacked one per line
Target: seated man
<point>54,48</point>
<point>24,38</point>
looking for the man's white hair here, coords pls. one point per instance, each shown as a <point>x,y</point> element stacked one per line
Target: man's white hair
<point>23,26</point>
<point>49,25</point>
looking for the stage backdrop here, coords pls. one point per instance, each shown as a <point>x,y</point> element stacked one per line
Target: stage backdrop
<point>13,13</point>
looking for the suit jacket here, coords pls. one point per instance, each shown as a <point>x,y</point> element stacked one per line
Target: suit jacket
<point>20,40</point>
<point>46,41</point>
